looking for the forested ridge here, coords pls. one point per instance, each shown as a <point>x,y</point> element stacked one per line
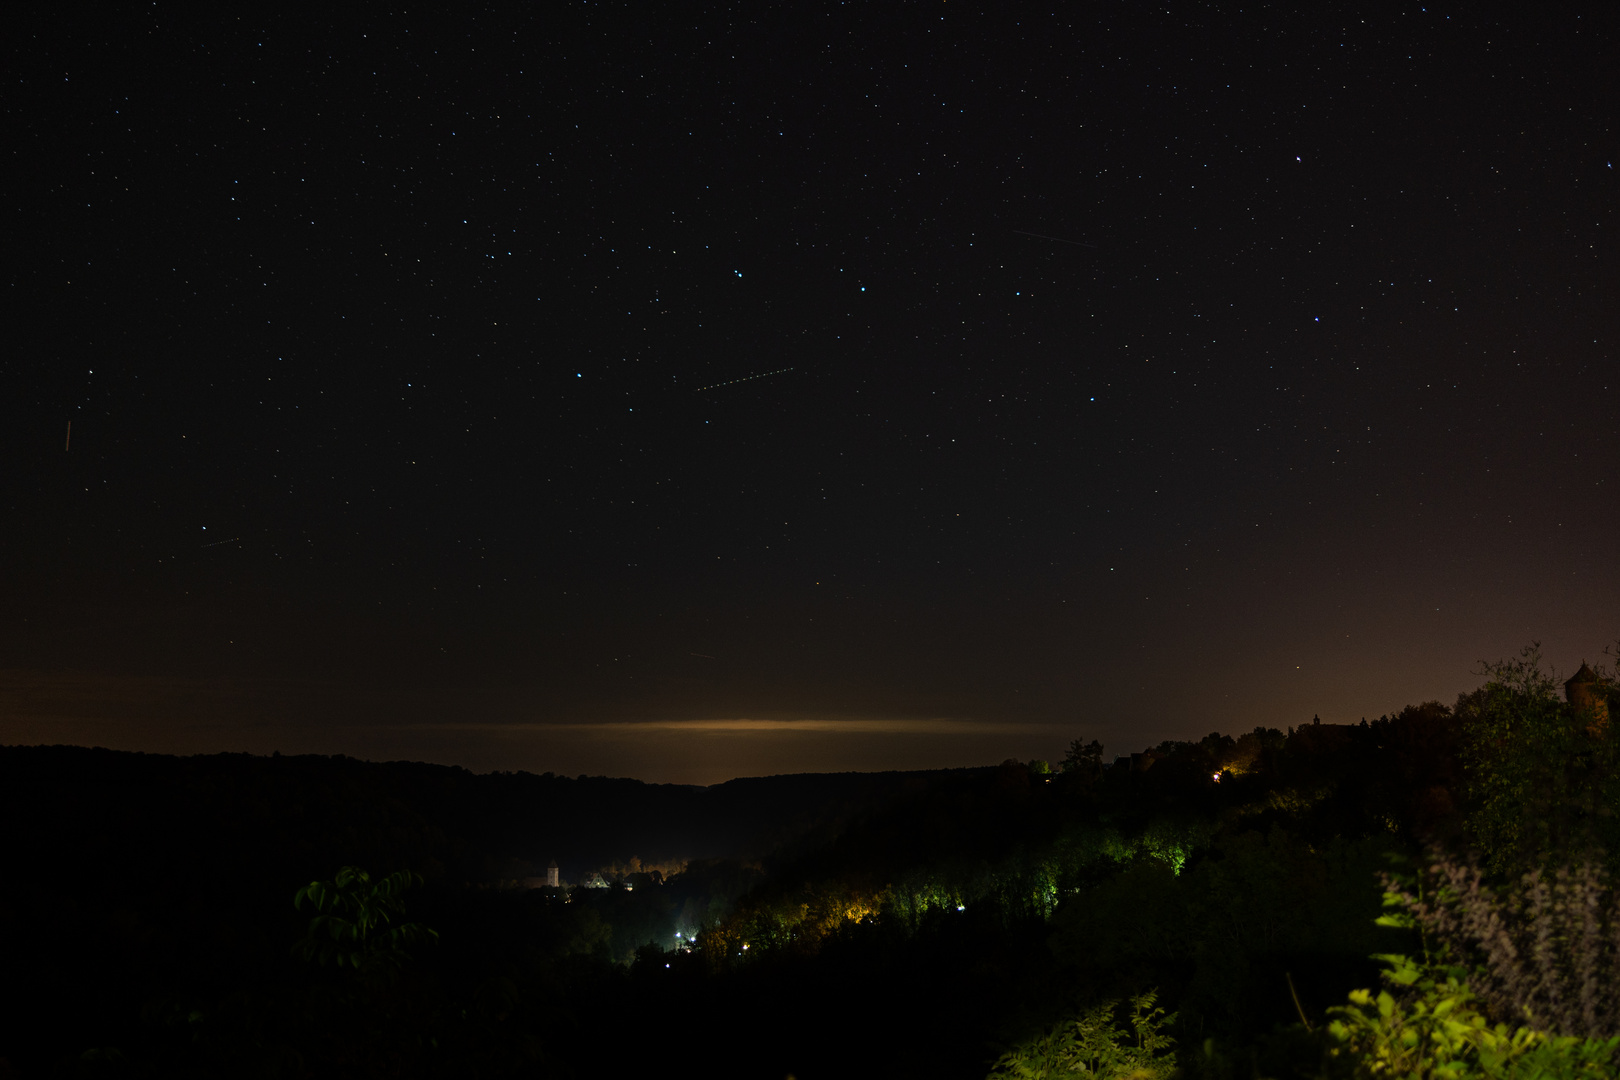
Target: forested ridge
<point>1206,908</point>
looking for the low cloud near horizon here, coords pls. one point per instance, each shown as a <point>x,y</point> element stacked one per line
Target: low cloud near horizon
<point>195,716</point>
<point>673,733</point>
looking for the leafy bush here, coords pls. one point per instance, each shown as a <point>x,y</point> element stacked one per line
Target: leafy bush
<point>350,927</point>
<point>1543,950</point>
<point>1431,1027</point>
<point>1543,776</point>
<point>1096,1044</point>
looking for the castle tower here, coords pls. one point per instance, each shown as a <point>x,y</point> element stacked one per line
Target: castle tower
<point>1584,691</point>
<point>552,877</point>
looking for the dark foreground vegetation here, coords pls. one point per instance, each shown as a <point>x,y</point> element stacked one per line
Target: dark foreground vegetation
<point>1210,909</point>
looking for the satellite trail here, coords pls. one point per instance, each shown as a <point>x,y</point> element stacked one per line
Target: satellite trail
<point>1059,239</point>
<point>745,378</point>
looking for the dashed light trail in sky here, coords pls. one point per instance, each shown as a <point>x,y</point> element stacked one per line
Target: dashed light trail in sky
<point>745,378</point>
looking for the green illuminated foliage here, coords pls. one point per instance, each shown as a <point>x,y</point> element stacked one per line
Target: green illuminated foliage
<point>1429,1025</point>
<point>1097,1043</point>
<point>1171,842</point>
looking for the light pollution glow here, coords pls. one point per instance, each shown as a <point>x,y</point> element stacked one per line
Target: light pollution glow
<point>746,726</point>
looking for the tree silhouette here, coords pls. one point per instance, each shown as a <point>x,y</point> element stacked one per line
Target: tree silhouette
<point>351,926</point>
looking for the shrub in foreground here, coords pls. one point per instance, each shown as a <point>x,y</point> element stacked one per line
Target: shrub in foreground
<point>1097,1043</point>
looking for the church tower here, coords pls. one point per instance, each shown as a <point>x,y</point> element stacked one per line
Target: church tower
<point>1585,693</point>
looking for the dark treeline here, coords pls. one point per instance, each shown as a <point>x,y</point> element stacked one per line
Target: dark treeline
<point>437,819</point>
<point>986,907</point>
<point>893,925</point>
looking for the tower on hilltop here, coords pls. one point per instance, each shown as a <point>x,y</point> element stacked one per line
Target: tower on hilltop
<point>1585,692</point>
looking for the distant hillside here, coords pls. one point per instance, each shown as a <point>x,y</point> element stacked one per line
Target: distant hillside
<point>102,812</point>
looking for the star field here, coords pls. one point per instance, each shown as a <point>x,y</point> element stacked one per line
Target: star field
<point>1146,369</point>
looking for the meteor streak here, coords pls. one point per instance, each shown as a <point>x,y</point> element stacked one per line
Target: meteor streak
<point>745,378</point>
<point>1059,239</point>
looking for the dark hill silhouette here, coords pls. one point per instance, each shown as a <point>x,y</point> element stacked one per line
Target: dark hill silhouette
<point>104,812</point>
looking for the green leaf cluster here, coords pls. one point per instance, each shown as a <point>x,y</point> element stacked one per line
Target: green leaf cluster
<point>353,926</point>
<point>1097,1044</point>
<point>1431,1026</point>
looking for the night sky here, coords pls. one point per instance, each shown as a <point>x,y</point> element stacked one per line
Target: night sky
<point>687,392</point>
